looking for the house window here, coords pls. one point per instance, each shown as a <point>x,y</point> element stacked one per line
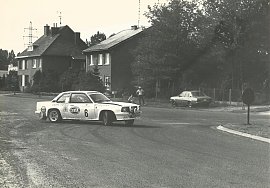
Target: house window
<point>107,81</point>
<point>100,59</point>
<point>34,63</point>
<point>23,64</point>
<point>20,65</point>
<point>91,60</point>
<point>27,80</point>
<point>40,63</point>
<point>107,59</point>
<point>23,80</point>
<point>37,63</point>
<point>28,62</point>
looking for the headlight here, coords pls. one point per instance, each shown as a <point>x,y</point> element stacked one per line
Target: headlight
<point>125,109</point>
<point>43,109</point>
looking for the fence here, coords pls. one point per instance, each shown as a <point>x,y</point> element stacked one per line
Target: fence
<point>222,95</point>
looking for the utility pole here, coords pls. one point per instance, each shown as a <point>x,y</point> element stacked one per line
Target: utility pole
<point>30,34</point>
<point>139,13</point>
<point>60,17</point>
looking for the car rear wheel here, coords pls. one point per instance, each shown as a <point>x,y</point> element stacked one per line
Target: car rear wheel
<point>129,122</point>
<point>107,118</point>
<point>54,115</point>
<point>174,104</point>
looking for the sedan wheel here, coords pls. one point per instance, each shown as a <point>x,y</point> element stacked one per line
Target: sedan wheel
<point>174,104</point>
<point>107,118</point>
<point>54,115</point>
<point>129,122</point>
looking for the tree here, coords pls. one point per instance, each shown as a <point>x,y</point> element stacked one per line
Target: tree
<point>218,44</point>
<point>96,38</point>
<point>3,59</point>
<point>68,79</point>
<point>11,58</point>
<point>174,39</point>
<point>45,81</point>
<point>89,81</point>
<point>243,30</point>
<point>12,81</point>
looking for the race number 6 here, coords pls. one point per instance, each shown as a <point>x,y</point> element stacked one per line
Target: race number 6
<point>86,113</point>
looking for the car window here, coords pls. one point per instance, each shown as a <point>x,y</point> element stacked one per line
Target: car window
<point>182,94</point>
<point>98,97</point>
<point>79,98</point>
<point>63,98</point>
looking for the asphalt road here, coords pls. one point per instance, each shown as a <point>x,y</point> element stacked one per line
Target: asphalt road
<point>165,148</point>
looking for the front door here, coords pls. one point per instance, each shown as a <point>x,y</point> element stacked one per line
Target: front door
<point>80,107</point>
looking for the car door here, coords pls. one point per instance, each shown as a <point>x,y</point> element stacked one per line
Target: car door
<point>61,104</point>
<point>80,107</point>
<point>186,98</point>
<point>181,100</point>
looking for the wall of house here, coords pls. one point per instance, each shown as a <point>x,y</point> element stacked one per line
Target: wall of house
<point>27,67</point>
<point>58,64</point>
<point>104,69</point>
<point>122,59</point>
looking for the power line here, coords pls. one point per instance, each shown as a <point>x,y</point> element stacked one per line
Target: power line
<point>139,13</point>
<point>30,34</point>
<point>60,17</point>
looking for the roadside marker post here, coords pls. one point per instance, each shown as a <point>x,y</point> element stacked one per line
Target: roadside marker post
<point>248,98</point>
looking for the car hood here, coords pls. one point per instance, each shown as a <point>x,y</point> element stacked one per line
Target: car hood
<point>119,103</point>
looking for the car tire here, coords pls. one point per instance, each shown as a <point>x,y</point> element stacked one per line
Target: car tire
<point>129,122</point>
<point>54,115</point>
<point>107,118</point>
<point>174,104</point>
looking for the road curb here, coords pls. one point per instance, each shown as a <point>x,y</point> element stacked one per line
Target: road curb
<point>220,127</point>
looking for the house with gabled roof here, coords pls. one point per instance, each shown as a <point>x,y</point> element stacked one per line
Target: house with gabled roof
<point>59,49</point>
<point>113,57</point>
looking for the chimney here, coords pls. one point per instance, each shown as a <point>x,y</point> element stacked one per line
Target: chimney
<point>46,30</point>
<point>134,27</point>
<point>77,37</point>
<point>54,29</point>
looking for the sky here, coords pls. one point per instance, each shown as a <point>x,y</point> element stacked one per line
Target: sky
<point>84,16</point>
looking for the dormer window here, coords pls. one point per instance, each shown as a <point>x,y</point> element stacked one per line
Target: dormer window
<point>32,47</point>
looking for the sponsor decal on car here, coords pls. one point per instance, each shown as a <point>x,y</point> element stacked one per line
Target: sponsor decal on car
<point>74,110</point>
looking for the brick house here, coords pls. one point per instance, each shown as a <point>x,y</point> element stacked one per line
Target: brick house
<point>59,49</point>
<point>114,57</point>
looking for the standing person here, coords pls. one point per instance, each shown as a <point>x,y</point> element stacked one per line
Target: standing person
<point>140,93</point>
<point>131,99</point>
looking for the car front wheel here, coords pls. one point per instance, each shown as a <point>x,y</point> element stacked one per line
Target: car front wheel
<point>129,122</point>
<point>54,115</point>
<point>107,118</point>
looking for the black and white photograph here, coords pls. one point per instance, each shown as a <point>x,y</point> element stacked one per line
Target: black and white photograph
<point>135,93</point>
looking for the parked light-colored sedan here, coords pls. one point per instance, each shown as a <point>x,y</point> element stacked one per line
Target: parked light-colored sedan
<point>191,98</point>
<point>87,105</point>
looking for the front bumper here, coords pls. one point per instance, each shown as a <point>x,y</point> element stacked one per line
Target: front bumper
<point>127,116</point>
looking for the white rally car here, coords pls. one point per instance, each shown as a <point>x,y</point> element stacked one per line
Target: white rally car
<point>87,105</point>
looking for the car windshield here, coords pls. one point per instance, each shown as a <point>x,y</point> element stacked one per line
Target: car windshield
<point>198,94</point>
<point>98,97</point>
